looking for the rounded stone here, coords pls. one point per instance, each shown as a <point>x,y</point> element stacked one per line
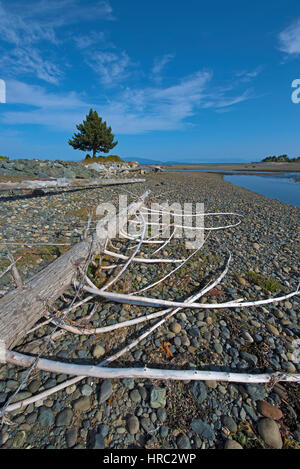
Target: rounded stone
<point>272,329</point>
<point>19,439</point>
<point>98,351</point>
<point>175,327</point>
<point>71,389</point>
<point>232,444</point>
<point>135,396</point>
<point>86,390</point>
<point>164,431</point>
<point>269,431</point>
<point>158,397</point>
<point>64,418</point>
<point>82,405</point>
<point>133,425</point>
<point>229,423</point>
<point>34,386</point>
<point>46,417</point>
<point>242,281</point>
<point>183,442</point>
<point>268,410</point>
<point>71,437</point>
<point>218,348</point>
<point>211,384</point>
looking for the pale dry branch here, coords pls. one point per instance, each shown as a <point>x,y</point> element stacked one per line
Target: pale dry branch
<point>146,301</point>
<point>148,373</point>
<point>14,271</point>
<point>143,260</point>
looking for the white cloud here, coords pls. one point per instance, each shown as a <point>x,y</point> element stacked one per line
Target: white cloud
<point>112,67</point>
<point>93,38</point>
<point>26,30</point>
<point>289,38</point>
<point>219,100</point>
<point>159,65</point>
<point>17,30</point>
<point>34,95</point>
<point>248,75</point>
<point>27,60</point>
<point>41,18</point>
<point>132,111</point>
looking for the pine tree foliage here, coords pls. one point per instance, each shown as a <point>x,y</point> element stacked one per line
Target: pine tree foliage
<point>93,135</point>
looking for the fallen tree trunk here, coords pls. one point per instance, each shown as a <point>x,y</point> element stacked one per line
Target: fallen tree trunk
<point>63,182</point>
<point>20,309</point>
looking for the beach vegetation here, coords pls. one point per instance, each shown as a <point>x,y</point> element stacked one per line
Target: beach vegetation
<point>267,284</point>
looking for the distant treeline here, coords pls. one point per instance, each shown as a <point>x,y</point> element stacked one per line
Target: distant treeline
<point>281,159</point>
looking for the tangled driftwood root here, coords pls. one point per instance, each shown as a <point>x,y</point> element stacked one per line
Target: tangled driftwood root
<point>32,301</point>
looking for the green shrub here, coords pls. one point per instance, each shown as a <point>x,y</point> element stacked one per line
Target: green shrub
<point>4,158</point>
<point>103,159</point>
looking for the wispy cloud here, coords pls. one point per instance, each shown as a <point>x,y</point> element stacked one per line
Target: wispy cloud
<point>41,18</point>
<point>36,96</point>
<point>159,65</point>
<point>25,60</point>
<point>18,30</point>
<point>289,38</point>
<point>25,31</point>
<point>131,111</point>
<point>94,38</point>
<point>112,67</point>
<point>248,75</point>
<point>219,100</point>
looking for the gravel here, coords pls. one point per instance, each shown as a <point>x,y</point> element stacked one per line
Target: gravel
<point>126,413</point>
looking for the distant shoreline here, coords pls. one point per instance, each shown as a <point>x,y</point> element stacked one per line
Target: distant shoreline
<point>256,167</point>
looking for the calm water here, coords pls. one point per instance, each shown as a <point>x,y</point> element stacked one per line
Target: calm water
<point>283,188</point>
<point>280,186</point>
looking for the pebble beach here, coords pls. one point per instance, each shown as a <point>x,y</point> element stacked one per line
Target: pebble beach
<point>160,414</point>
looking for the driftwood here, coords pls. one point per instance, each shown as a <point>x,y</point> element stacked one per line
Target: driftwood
<point>20,309</point>
<point>148,373</point>
<point>65,182</point>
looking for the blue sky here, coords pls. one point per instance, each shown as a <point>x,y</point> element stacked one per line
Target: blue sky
<point>183,81</point>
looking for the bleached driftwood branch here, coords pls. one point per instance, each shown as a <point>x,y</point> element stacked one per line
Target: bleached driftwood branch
<point>65,182</point>
<point>101,372</point>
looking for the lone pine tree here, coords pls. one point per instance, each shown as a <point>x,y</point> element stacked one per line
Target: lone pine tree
<point>93,135</point>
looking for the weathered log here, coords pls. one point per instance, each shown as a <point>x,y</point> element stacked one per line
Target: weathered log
<point>64,182</point>
<point>21,309</point>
